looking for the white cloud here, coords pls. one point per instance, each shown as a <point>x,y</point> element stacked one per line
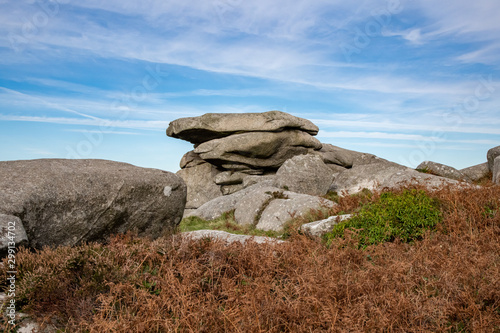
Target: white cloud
<point>391,125</point>
<point>39,152</point>
<point>102,132</point>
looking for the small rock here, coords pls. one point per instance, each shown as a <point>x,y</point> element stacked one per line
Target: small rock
<point>11,226</point>
<point>229,178</point>
<point>228,237</point>
<point>319,228</point>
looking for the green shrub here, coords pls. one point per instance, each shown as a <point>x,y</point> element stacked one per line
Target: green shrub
<point>406,215</point>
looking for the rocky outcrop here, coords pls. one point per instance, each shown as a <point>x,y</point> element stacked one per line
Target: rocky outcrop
<point>442,170</point>
<point>306,174</point>
<point>491,156</point>
<point>381,175</point>
<point>212,126</point>
<point>476,172</point>
<point>265,206</point>
<point>319,228</point>
<point>67,202</point>
<point>240,150</point>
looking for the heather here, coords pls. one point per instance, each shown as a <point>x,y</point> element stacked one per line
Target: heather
<point>445,280</point>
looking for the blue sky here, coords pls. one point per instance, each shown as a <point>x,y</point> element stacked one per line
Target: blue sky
<point>405,80</point>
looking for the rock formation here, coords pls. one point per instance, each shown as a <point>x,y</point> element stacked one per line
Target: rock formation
<point>268,166</point>
<point>67,202</point>
<point>233,151</point>
<point>377,176</point>
<point>442,170</point>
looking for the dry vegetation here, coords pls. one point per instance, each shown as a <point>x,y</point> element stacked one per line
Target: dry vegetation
<point>449,281</point>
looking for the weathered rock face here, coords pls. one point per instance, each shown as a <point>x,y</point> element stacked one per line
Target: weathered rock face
<point>281,210</point>
<point>218,125</point>
<point>384,175</point>
<point>496,170</point>
<point>249,208</point>
<point>263,205</point>
<point>257,150</point>
<point>67,202</point>
<point>443,170</point>
<point>333,155</point>
<point>476,172</point>
<point>11,231</point>
<point>491,156</point>
<point>200,183</point>
<point>243,149</point>
<point>306,174</point>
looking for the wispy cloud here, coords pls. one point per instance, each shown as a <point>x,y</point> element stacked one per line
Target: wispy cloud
<point>102,132</point>
<point>39,152</point>
<point>410,66</point>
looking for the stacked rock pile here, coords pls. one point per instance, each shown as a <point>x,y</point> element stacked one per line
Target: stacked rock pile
<point>234,151</point>
<point>230,150</point>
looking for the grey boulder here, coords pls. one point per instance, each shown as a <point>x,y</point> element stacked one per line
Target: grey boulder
<point>12,234</point>
<point>321,227</point>
<point>218,125</point>
<point>257,150</point>
<point>306,174</point>
<point>492,155</point>
<point>384,175</point>
<point>333,155</point>
<point>442,170</point>
<point>67,202</point>
<point>280,211</point>
<point>200,181</point>
<point>476,172</point>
